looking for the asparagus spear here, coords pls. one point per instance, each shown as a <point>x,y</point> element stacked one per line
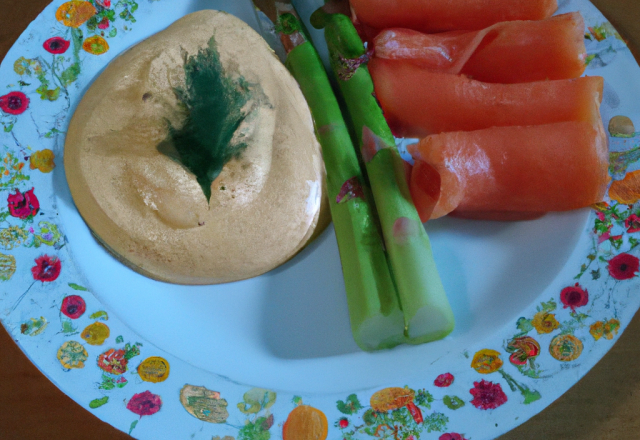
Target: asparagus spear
<point>376,317</point>
<point>427,313</point>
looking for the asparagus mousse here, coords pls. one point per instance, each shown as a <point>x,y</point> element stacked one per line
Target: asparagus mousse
<point>193,158</point>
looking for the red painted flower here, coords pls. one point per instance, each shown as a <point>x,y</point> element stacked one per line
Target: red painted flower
<point>47,268</point>
<point>14,103</point>
<point>343,423</point>
<point>104,23</point>
<point>574,296</point>
<point>451,436</point>
<point>632,223</point>
<point>144,404</point>
<point>487,395</point>
<point>523,349</point>
<point>623,266</point>
<point>104,3</point>
<point>73,306</point>
<point>56,45</point>
<point>444,380</point>
<point>113,361</point>
<point>22,205</point>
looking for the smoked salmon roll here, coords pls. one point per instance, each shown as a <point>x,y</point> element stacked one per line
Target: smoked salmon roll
<point>512,172</point>
<point>507,52</point>
<point>446,15</point>
<point>417,102</point>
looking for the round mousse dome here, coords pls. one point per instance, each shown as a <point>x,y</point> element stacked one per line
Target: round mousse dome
<point>135,166</point>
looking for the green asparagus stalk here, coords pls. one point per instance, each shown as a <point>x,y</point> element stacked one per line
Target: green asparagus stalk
<point>427,313</point>
<point>377,320</point>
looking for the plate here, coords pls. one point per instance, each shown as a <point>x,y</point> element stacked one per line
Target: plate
<point>537,303</point>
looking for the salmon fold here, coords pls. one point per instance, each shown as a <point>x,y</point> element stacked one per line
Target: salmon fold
<point>512,172</point>
<point>507,52</point>
<point>446,15</point>
<point>417,102</point>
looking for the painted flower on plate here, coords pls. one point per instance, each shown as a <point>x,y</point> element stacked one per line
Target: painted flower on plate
<point>154,369</point>
<point>632,223</point>
<point>144,404</point>
<point>113,361</point>
<point>95,45</point>
<point>73,306</point>
<point>486,361</point>
<point>23,205</point>
<point>607,329</point>
<point>487,395</point>
<point>74,13</point>
<point>565,348</point>
<point>523,349</point>
<point>451,436</point>
<point>545,322</point>
<point>104,23</point>
<point>56,45</point>
<point>42,160</point>
<point>14,103</point>
<point>574,296</point>
<point>96,333</point>
<point>623,266</point>
<point>47,268</point>
<point>444,380</point>
<point>72,355</point>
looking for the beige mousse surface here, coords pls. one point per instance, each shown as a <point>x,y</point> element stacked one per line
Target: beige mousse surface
<point>148,209</point>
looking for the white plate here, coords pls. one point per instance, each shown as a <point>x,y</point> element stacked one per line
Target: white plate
<point>288,331</point>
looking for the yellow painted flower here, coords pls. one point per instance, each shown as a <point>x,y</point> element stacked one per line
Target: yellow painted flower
<point>607,329</point>
<point>486,361</point>
<point>72,355</point>
<point>305,423</point>
<point>21,65</point>
<point>96,333</point>
<point>627,190</point>
<point>95,45</point>
<point>154,369</point>
<point>611,328</point>
<point>597,330</point>
<point>42,160</point>
<point>565,348</point>
<point>75,13</point>
<point>545,322</point>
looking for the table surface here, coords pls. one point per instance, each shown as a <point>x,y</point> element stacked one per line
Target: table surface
<point>604,405</point>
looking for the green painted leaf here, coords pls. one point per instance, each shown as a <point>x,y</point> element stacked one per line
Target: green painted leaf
<point>436,422</point>
<point>48,94</point>
<point>75,286</point>
<point>113,32</point>
<point>100,315</point>
<point>67,327</point>
<point>453,402</point>
<point>530,395</point>
<point>524,325</point>
<point>70,74</point>
<point>133,425</point>
<point>350,406</point>
<point>97,403</point>
<point>8,128</point>
<point>216,106</point>
<point>119,340</point>
<point>424,398</point>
